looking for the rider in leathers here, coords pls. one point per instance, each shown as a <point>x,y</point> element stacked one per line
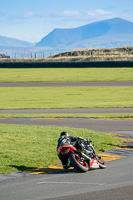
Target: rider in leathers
<point>66,139</point>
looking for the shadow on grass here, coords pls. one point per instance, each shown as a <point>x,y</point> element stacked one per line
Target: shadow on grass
<point>22,168</point>
<point>111,145</point>
<point>43,170</point>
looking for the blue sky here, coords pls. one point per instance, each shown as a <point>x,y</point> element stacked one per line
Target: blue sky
<point>31,20</point>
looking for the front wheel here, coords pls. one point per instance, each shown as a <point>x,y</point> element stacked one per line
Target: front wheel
<point>102,164</point>
<point>78,162</point>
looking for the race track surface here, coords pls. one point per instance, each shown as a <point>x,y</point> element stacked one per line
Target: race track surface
<point>68,84</point>
<point>107,125</point>
<point>69,110</point>
<point>113,183</point>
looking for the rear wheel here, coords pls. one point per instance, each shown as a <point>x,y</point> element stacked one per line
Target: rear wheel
<point>78,162</point>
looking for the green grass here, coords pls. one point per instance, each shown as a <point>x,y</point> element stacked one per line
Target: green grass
<point>65,97</point>
<point>71,115</point>
<point>26,147</point>
<point>66,74</point>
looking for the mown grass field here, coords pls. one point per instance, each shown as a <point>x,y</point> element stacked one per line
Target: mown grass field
<point>65,97</point>
<point>25,147</point>
<point>72,115</point>
<point>66,74</point>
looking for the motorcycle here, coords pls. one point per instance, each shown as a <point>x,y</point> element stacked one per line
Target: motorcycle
<point>82,160</point>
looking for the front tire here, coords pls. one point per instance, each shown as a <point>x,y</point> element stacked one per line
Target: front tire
<point>102,164</point>
<point>77,163</point>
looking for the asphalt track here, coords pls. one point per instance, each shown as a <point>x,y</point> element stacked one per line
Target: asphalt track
<point>115,182</point>
<point>68,84</point>
<point>108,125</point>
<point>69,110</point>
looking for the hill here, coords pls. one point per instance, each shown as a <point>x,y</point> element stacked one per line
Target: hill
<point>11,42</point>
<point>107,33</point>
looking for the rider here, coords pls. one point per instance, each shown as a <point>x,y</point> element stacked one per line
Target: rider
<point>74,141</point>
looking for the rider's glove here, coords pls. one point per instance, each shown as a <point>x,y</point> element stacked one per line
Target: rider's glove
<point>64,141</point>
<point>84,140</point>
<point>89,141</point>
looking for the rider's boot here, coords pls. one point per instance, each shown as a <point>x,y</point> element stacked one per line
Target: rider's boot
<point>68,165</point>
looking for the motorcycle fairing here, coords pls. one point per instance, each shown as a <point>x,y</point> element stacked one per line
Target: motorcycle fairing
<point>66,149</point>
<point>94,164</point>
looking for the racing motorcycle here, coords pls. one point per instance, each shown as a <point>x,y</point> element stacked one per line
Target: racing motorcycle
<point>82,160</point>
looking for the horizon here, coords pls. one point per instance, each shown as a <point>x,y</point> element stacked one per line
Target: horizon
<point>30,20</point>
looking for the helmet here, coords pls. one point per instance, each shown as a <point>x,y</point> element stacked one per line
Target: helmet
<point>64,134</point>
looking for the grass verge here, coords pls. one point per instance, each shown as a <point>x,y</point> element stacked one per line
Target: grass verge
<point>65,97</point>
<point>24,147</point>
<point>73,115</point>
<point>66,74</point>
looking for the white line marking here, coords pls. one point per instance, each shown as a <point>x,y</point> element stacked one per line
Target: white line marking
<point>80,183</point>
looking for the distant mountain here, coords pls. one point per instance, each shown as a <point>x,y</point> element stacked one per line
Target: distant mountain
<point>107,33</point>
<point>11,42</point>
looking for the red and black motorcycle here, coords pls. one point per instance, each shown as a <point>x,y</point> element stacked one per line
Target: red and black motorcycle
<point>82,160</point>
